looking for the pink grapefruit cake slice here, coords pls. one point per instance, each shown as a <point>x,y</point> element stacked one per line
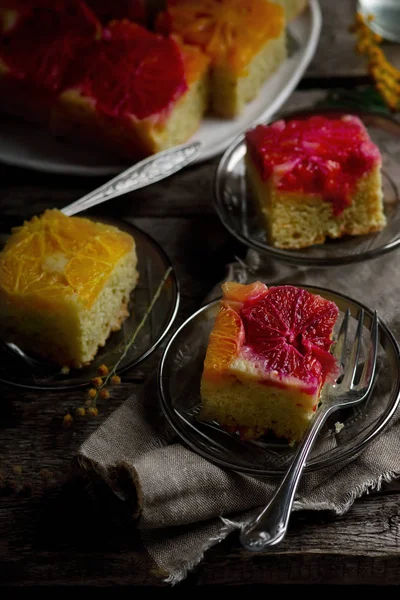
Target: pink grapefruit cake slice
<point>133,92</point>
<point>315,178</point>
<point>267,360</point>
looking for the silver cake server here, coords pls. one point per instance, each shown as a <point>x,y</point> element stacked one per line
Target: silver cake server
<point>143,173</point>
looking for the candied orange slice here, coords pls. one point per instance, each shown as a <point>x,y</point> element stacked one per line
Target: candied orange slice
<point>230,31</point>
<point>55,255</point>
<point>224,343</point>
<point>238,292</point>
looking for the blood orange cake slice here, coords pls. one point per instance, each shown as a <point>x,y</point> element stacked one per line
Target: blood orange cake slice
<point>267,360</point>
<point>133,92</point>
<point>315,178</point>
<point>244,40</point>
<point>38,39</point>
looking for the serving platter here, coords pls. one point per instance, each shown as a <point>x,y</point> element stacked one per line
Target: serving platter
<point>27,145</point>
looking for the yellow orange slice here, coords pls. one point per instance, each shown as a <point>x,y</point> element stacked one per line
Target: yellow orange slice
<point>237,292</point>
<point>225,341</point>
<point>229,31</point>
<point>54,256</point>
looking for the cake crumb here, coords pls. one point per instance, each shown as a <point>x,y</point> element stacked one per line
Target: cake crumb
<point>338,427</point>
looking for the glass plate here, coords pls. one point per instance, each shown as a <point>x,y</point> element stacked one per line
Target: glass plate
<point>179,386</point>
<point>19,369</point>
<point>237,212</point>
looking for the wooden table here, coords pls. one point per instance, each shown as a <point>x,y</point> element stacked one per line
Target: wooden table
<point>51,532</point>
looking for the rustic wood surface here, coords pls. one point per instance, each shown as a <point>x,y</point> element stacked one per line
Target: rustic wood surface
<point>51,532</point>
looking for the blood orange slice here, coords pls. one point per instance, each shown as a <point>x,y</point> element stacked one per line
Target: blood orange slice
<point>46,37</point>
<point>132,71</point>
<point>291,329</point>
<point>134,10</point>
<point>225,341</point>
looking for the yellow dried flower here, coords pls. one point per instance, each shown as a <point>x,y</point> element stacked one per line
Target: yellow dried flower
<point>81,412</point>
<point>92,393</point>
<point>97,382</point>
<point>68,420</point>
<point>92,411</point>
<point>65,370</point>
<point>115,379</point>
<point>103,370</point>
<point>104,394</point>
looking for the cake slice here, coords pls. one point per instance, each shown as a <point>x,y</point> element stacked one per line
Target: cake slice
<point>65,284</point>
<point>38,39</point>
<point>315,178</point>
<point>244,40</point>
<point>133,93</point>
<point>267,360</point>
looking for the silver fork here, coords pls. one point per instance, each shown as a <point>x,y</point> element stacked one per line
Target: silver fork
<point>269,527</point>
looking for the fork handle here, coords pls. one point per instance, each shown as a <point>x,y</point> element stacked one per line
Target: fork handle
<point>151,169</point>
<point>269,527</point>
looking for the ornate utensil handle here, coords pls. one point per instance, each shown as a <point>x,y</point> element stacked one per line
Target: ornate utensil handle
<point>269,528</point>
<point>144,173</point>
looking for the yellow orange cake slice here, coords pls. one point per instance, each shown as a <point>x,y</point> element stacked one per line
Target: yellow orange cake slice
<point>315,178</point>
<point>133,93</point>
<point>244,40</point>
<point>65,284</point>
<point>267,360</point>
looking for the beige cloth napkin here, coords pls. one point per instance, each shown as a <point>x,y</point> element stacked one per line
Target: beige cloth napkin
<point>185,504</point>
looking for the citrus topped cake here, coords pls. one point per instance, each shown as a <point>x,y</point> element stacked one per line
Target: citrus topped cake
<point>244,40</point>
<point>314,178</point>
<point>267,360</point>
<point>65,284</point>
<point>134,92</point>
<point>39,39</point>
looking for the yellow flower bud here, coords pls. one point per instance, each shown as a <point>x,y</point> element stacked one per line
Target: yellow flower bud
<point>103,370</point>
<point>68,420</point>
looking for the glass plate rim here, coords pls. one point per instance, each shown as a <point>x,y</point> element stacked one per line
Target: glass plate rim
<point>350,452</point>
<point>173,312</point>
<point>279,253</point>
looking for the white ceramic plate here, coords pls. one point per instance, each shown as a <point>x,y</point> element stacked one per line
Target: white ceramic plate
<point>26,145</point>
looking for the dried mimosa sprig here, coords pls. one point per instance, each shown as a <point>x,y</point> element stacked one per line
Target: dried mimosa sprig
<point>384,74</point>
<point>107,376</point>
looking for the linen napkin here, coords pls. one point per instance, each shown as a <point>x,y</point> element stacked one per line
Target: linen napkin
<point>183,503</point>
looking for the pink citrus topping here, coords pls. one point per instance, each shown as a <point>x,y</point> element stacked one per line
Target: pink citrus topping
<point>131,71</point>
<point>47,35</point>
<point>316,155</point>
<point>289,332</point>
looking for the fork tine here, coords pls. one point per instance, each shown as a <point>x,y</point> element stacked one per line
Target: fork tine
<point>351,366</point>
<point>339,349</point>
<point>368,372</point>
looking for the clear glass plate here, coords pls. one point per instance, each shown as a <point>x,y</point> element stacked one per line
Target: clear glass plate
<point>19,369</point>
<point>237,212</point>
<point>179,386</point>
